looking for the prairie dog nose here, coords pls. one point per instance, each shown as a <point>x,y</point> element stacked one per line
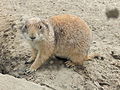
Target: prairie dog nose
<point>32,37</point>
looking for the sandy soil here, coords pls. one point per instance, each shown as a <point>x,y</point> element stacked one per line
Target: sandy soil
<point>98,74</point>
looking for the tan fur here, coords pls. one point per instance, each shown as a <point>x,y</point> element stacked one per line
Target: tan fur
<point>63,35</point>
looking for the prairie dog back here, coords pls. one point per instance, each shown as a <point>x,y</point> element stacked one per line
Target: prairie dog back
<point>72,34</point>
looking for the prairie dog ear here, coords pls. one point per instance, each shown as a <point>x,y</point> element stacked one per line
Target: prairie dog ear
<point>23,28</point>
<point>46,23</point>
<point>22,25</point>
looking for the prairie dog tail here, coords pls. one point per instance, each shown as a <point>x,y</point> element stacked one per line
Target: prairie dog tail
<point>95,55</point>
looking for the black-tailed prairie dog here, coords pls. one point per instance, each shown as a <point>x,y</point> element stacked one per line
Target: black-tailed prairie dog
<point>62,35</point>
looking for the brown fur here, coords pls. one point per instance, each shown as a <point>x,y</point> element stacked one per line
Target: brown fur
<point>63,35</point>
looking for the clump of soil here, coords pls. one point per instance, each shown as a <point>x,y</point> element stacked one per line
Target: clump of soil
<point>114,13</point>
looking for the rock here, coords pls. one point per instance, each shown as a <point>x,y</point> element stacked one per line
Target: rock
<point>8,82</point>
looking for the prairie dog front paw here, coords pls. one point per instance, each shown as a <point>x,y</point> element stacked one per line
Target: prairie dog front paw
<point>30,60</point>
<point>30,70</point>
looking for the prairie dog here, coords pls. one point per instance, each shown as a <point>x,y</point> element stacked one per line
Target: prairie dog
<point>62,35</point>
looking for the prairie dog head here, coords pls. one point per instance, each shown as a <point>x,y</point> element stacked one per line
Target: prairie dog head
<point>35,29</point>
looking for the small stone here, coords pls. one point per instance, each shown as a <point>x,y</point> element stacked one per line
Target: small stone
<point>51,62</point>
<point>15,74</point>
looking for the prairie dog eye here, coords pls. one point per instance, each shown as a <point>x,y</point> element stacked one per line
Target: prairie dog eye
<point>25,27</point>
<point>40,27</point>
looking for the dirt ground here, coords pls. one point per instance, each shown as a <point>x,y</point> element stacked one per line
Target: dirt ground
<point>98,74</point>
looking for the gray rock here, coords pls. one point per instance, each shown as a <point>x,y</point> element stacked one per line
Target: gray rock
<point>8,82</point>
